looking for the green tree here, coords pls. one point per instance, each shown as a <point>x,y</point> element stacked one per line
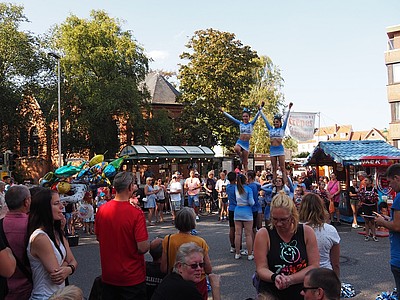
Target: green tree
<point>218,73</point>
<point>103,67</point>
<point>19,69</point>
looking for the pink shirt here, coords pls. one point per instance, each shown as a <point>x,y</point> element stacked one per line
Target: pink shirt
<point>333,187</point>
<point>191,184</point>
<point>15,227</point>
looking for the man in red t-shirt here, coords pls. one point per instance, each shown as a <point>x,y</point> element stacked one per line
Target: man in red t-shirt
<point>123,238</point>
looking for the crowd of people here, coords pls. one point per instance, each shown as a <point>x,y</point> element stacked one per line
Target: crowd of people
<point>286,225</point>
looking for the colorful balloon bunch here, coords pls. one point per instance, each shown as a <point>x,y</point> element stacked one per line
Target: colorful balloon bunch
<point>97,173</point>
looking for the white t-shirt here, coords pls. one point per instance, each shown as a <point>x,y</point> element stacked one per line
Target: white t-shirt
<point>327,236</point>
<point>174,187</point>
<point>220,183</point>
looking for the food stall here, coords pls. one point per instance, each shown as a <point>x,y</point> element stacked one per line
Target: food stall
<point>344,158</point>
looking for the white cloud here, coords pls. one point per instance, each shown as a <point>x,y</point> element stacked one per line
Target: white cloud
<point>158,55</point>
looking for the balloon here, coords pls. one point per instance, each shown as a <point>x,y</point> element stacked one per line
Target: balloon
<point>69,170</point>
<point>63,187</point>
<point>78,190</point>
<point>97,168</point>
<point>118,162</point>
<point>110,171</point>
<point>82,173</point>
<point>85,211</point>
<point>44,183</point>
<point>96,159</point>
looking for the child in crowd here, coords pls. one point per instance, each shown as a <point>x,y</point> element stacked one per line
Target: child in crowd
<point>88,222</point>
<point>223,196</point>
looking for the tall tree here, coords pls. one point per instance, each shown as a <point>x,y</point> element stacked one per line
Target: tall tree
<point>103,67</point>
<point>19,67</point>
<point>219,73</point>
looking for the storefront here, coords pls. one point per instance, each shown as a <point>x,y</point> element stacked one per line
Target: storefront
<point>345,158</point>
<point>162,161</point>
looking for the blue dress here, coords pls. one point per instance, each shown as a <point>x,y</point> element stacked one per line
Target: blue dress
<point>151,199</point>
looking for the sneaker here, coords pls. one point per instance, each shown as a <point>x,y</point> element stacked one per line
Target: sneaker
<point>237,256</point>
<point>197,218</point>
<point>250,257</point>
<point>366,238</point>
<point>354,226</point>
<point>232,250</point>
<point>375,239</point>
<point>244,252</point>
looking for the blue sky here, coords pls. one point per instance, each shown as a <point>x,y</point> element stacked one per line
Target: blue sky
<point>331,53</point>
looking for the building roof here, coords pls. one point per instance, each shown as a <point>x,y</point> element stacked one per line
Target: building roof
<point>161,91</point>
<point>141,152</point>
<point>349,152</point>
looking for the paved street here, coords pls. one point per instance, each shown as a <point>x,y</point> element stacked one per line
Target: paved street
<point>363,264</point>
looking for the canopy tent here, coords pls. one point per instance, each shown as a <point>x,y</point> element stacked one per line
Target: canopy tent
<point>166,153</point>
<point>349,153</point>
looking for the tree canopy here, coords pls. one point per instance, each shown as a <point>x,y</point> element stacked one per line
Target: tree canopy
<point>219,73</point>
<point>19,69</point>
<point>103,67</point>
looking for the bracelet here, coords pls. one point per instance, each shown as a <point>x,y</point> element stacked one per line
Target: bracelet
<point>72,268</point>
<point>273,277</point>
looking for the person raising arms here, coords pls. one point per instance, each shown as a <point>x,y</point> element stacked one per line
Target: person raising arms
<point>242,146</point>
<point>276,135</point>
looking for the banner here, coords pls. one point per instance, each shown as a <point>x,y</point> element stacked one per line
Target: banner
<point>302,125</point>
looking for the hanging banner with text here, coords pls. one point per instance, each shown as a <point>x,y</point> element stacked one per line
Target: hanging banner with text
<point>302,125</point>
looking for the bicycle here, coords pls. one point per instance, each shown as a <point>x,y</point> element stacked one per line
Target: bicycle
<point>208,205</point>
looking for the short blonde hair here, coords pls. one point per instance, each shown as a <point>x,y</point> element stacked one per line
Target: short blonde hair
<point>70,292</point>
<point>281,200</point>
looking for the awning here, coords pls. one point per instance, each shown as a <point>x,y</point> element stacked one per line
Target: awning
<point>140,152</point>
<point>349,152</point>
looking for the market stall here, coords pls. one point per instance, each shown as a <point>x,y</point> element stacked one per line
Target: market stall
<point>344,158</point>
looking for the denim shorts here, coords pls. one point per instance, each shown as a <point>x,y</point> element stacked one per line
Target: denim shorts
<point>193,199</point>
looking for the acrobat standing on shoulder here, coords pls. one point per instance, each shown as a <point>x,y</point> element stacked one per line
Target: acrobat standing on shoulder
<point>242,146</point>
<point>276,135</point>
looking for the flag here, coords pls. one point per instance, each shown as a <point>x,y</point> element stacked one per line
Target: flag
<point>302,125</point>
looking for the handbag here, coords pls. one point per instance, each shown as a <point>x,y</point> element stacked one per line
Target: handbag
<point>331,207</point>
<point>144,199</point>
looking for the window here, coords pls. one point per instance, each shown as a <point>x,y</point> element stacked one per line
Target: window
<point>393,73</point>
<point>395,107</point>
<point>33,142</point>
<point>391,44</point>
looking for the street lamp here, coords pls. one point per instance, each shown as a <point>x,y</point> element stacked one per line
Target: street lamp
<point>56,56</point>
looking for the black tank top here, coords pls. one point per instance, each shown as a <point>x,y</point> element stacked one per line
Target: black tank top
<point>288,257</point>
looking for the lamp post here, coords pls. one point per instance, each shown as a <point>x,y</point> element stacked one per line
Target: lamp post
<point>56,56</point>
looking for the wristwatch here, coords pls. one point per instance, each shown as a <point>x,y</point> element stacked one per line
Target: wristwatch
<point>273,277</point>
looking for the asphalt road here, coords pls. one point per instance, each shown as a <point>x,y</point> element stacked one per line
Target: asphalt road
<point>363,264</point>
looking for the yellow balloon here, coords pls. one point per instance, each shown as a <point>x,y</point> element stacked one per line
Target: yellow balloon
<point>96,159</point>
<point>63,187</point>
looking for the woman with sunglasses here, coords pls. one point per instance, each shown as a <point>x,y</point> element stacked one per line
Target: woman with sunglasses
<point>185,222</point>
<point>284,252</point>
<point>187,272</point>
<point>242,146</point>
<point>276,135</point>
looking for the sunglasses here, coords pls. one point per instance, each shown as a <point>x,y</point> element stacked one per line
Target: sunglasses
<point>195,265</point>
<point>305,289</point>
<point>282,220</point>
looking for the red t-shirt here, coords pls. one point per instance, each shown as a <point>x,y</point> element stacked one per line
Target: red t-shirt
<point>119,227</point>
